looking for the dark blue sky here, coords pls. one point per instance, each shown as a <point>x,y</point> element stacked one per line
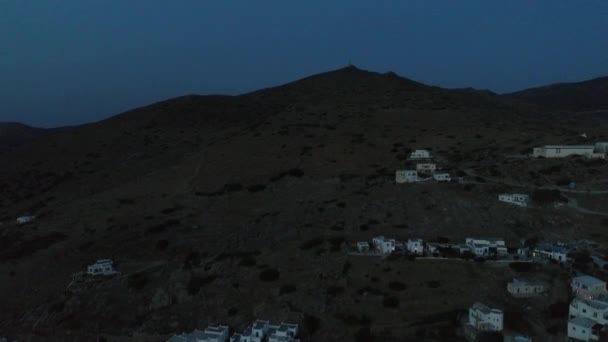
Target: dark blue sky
<point>74,61</point>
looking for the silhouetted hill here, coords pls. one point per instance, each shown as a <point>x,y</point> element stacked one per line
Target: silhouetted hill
<point>231,208</point>
<point>591,95</point>
<point>13,134</point>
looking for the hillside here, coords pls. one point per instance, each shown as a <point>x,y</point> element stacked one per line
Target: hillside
<point>13,134</point>
<point>232,208</point>
<point>591,95</point>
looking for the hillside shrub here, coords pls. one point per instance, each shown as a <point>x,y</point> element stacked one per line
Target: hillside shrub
<point>137,281</point>
<point>391,302</point>
<point>312,243</point>
<point>286,289</point>
<point>397,286</point>
<point>269,275</point>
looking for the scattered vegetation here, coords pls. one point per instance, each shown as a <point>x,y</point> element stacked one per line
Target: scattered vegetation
<point>269,275</point>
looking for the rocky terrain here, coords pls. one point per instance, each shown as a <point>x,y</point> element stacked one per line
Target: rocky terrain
<point>224,209</point>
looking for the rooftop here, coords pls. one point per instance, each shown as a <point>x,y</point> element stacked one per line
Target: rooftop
<point>569,146</point>
<point>596,304</point>
<point>582,322</point>
<point>588,280</point>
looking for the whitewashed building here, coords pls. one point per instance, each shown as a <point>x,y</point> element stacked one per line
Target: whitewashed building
<point>594,309</point>
<point>484,318</point>
<point>588,287</point>
<point>264,331</point>
<point>286,332</point>
<point>426,167</point>
<point>415,246</point>
<point>25,219</point>
<point>561,151</point>
<point>101,267</point>
<point>363,246</point>
<point>521,200</point>
<point>525,289</point>
<point>211,334</point>
<point>442,177</point>
<point>556,252</point>
<point>406,176</point>
<point>483,247</point>
<point>385,246</point>
<point>420,154</point>
<point>583,329</point>
<point>432,247</point>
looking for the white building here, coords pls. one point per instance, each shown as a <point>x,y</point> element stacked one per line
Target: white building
<point>406,176</point>
<point>363,246</point>
<point>101,267</point>
<point>285,332</point>
<point>211,334</point>
<point>426,167</point>
<point>385,246</point>
<point>560,151</point>
<point>588,287</point>
<point>25,219</point>
<point>483,248</point>
<point>420,154</point>
<point>524,289</point>
<point>264,331</point>
<point>484,318</point>
<point>415,246</point>
<point>556,252</point>
<point>583,329</point>
<point>594,309</point>
<point>442,177</point>
<point>432,247</point>
<point>517,199</point>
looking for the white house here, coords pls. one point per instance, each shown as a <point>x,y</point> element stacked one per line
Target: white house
<point>588,287</point>
<point>264,331</point>
<point>594,309</point>
<point>385,246</point>
<point>25,219</point>
<point>426,167</point>
<point>415,246</point>
<point>285,332</point>
<point>420,154</point>
<point>406,176</point>
<point>583,329</point>
<point>442,177</point>
<point>484,318</point>
<point>517,199</point>
<point>363,246</point>
<point>561,151</point>
<point>524,289</point>
<point>432,247</point>
<point>101,267</point>
<point>556,252</point>
<point>482,247</point>
<point>211,334</point>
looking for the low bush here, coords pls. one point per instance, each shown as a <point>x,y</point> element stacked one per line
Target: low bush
<point>312,243</point>
<point>137,281</point>
<point>286,289</point>
<point>390,302</point>
<point>397,286</point>
<point>269,275</point>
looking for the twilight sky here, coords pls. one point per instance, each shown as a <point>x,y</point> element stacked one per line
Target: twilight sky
<point>75,61</point>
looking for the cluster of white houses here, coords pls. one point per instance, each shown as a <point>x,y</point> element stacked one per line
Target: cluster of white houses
<point>424,171</point>
<point>259,331</point>
<point>598,150</point>
<point>477,247</point>
<point>588,311</point>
